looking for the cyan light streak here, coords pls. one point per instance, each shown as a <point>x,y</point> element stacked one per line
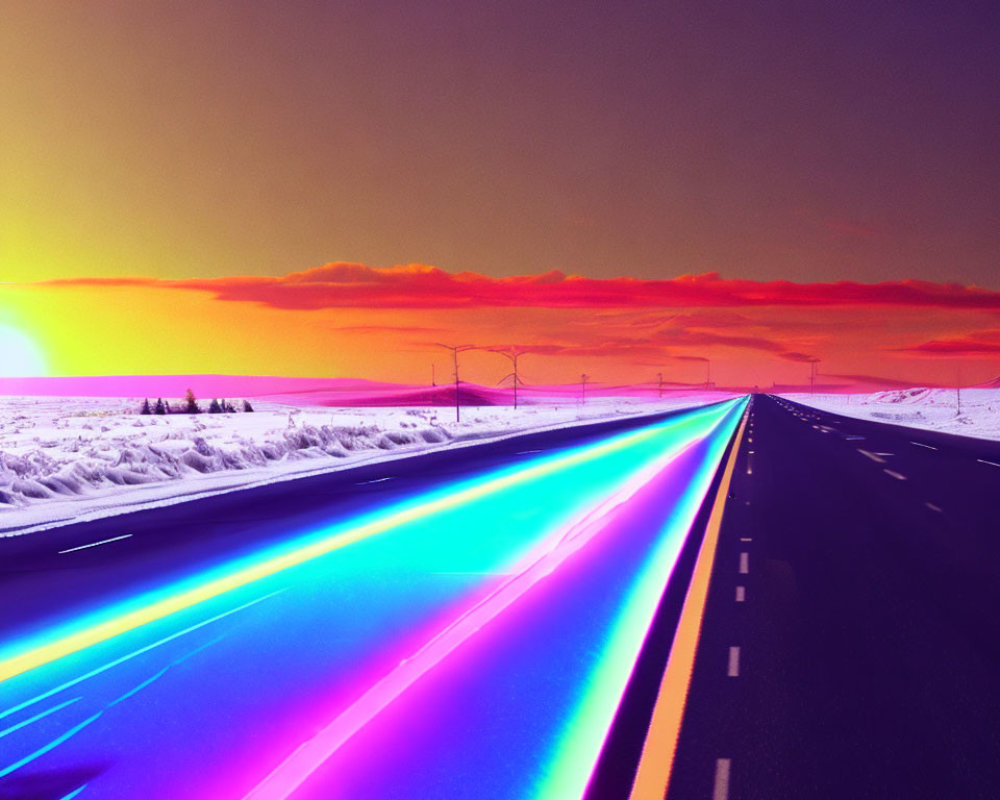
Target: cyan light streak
<point>48,747</point>
<point>38,716</point>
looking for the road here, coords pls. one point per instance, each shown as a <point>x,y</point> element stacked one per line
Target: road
<point>850,644</point>
<point>460,626</point>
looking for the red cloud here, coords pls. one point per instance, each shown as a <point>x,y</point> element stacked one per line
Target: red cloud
<point>657,345</point>
<point>803,358</point>
<point>977,343</point>
<point>346,285</point>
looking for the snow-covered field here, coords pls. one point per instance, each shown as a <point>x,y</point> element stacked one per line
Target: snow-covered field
<point>67,459</point>
<point>931,409</point>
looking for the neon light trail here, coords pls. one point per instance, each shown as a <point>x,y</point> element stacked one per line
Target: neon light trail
<point>472,641</point>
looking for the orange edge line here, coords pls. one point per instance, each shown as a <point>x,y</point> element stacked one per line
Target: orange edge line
<point>652,778</point>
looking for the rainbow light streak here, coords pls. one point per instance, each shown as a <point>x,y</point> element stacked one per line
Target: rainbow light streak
<point>114,622</point>
<point>325,669</point>
<point>586,732</point>
<point>599,705</point>
<point>559,546</point>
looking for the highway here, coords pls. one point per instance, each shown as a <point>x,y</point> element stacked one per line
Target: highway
<point>850,643</point>
<point>461,624</point>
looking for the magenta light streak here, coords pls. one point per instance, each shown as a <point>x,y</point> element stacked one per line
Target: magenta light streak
<point>310,755</point>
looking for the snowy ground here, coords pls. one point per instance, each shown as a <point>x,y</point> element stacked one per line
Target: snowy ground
<point>931,409</point>
<point>67,459</point>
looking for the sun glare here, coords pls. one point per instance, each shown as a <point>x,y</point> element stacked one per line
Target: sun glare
<point>20,356</point>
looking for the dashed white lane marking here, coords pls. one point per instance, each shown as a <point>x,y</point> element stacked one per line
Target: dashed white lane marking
<point>873,456</point>
<point>933,507</point>
<point>744,563</point>
<point>734,663</point>
<point>376,480</point>
<point>746,539</point>
<point>721,788</point>
<point>991,463</point>
<point>921,444</point>
<point>741,594</point>
<point>95,544</point>
<point>895,475</point>
<point>885,454</point>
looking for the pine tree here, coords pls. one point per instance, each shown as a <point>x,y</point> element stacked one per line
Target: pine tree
<point>191,405</point>
<point>160,408</point>
<point>214,407</point>
<point>145,407</point>
<point>246,406</point>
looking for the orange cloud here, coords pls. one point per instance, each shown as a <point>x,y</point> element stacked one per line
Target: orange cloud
<point>348,285</point>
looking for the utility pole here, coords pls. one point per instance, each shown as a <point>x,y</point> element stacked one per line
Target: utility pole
<point>583,388</point>
<point>708,373</point>
<point>455,350</point>
<point>513,355</point>
<point>433,379</point>
<point>659,378</point>
<point>958,391</point>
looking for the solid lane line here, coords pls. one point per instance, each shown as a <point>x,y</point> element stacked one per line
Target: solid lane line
<point>720,790</point>
<point>991,463</point>
<point>652,778</point>
<point>95,544</point>
<point>921,444</point>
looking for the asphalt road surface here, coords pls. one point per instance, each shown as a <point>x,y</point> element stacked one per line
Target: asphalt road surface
<point>850,647</point>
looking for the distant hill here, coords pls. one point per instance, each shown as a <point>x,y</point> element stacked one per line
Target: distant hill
<point>331,391</point>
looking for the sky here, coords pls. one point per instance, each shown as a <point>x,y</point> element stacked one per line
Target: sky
<point>319,188</point>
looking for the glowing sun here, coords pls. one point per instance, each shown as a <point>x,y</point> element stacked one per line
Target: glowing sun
<point>20,356</point>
